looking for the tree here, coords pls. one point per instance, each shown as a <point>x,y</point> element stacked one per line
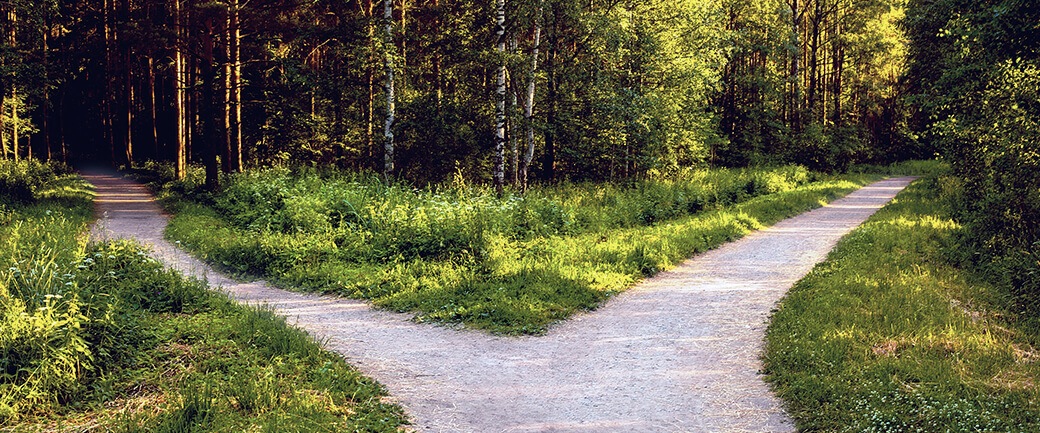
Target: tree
<point>180,83</point>
<point>529,97</point>
<point>388,132</point>
<point>974,76</point>
<point>498,164</point>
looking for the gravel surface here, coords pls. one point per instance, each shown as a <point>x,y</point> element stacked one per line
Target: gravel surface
<point>677,353</point>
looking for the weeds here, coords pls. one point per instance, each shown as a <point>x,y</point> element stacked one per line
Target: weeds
<point>885,336</point>
<point>101,336</point>
<point>456,253</point>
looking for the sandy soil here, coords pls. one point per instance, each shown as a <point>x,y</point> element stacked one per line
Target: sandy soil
<point>677,353</point>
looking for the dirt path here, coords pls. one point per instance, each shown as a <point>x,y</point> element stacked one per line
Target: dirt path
<point>677,353</point>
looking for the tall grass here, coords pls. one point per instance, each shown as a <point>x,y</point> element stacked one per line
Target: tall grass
<point>456,253</point>
<point>886,336</point>
<point>88,327</point>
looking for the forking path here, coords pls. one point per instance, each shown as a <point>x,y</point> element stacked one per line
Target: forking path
<point>676,353</point>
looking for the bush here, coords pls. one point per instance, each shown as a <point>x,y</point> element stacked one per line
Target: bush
<point>21,180</point>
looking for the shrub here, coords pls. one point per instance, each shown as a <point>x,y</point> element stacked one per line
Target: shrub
<point>21,180</point>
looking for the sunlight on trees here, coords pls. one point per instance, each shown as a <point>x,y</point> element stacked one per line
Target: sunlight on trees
<point>565,89</point>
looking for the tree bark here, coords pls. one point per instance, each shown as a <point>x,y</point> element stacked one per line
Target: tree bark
<point>109,129</point>
<point>370,152</point>
<point>235,54</point>
<point>153,128</point>
<point>9,20</point>
<point>207,109</point>
<point>45,109</point>
<point>3,132</point>
<point>14,122</point>
<point>839,70</point>
<point>529,99</point>
<point>388,133</point>
<point>511,127</point>
<point>225,94</point>
<point>795,77</point>
<point>498,169</point>
<point>180,101</point>
<point>128,90</point>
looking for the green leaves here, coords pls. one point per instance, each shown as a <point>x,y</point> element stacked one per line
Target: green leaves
<point>981,95</point>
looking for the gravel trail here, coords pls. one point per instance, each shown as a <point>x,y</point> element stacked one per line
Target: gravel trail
<point>676,353</point>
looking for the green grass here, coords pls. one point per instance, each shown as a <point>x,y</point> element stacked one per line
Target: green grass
<point>885,336</point>
<point>102,337</point>
<point>457,254</point>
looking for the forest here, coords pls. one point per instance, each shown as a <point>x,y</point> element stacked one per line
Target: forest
<point>424,89</point>
<point>511,92</point>
<point>506,164</point>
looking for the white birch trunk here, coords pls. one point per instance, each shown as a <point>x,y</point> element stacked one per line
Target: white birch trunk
<point>498,173</point>
<point>529,99</point>
<point>388,133</point>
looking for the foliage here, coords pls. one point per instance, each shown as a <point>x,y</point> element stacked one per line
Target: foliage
<point>22,181</point>
<point>456,253</point>
<point>621,89</point>
<point>977,93</point>
<point>91,327</point>
<point>885,336</point>
<point>811,82</point>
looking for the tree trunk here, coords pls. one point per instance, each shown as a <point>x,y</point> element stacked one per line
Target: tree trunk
<point>14,122</point>
<point>9,20</point>
<point>838,71</point>
<point>388,133</point>
<point>552,99</point>
<point>814,64</point>
<point>498,170</point>
<point>108,105</point>
<point>191,97</point>
<point>235,54</point>
<point>180,101</point>
<point>153,128</point>
<point>795,77</point>
<point>511,127</point>
<point>370,151</point>
<point>150,97</point>
<point>207,108</point>
<point>45,109</point>
<point>225,103</point>
<point>3,131</point>
<point>13,41</point>
<point>529,99</point>
<point>128,90</point>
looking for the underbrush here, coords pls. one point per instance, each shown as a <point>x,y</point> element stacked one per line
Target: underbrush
<point>102,337</point>
<point>457,254</point>
<point>886,336</point>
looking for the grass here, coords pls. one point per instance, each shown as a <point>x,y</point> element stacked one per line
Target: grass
<point>456,254</point>
<point>100,337</point>
<point>886,336</point>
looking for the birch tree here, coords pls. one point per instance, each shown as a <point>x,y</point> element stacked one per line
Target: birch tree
<point>498,169</point>
<point>388,133</point>
<point>529,98</point>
